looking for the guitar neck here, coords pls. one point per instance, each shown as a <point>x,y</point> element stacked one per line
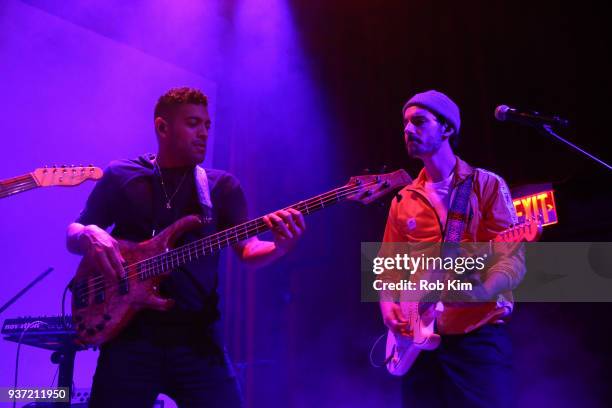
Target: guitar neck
<point>16,185</point>
<point>220,240</point>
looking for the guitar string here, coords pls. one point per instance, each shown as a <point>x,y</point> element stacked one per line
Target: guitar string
<point>156,268</point>
<point>18,179</point>
<point>200,244</point>
<point>16,187</point>
<point>214,240</point>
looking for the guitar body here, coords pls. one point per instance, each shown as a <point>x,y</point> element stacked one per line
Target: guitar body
<point>101,310</point>
<point>403,349</point>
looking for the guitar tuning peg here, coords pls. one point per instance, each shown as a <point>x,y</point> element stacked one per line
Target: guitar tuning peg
<point>384,168</point>
<point>366,171</point>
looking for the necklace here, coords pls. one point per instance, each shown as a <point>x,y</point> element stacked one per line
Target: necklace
<point>161,178</point>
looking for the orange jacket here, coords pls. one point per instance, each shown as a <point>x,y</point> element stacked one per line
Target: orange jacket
<point>413,218</point>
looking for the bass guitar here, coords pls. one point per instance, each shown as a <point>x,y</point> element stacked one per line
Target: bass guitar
<point>101,309</point>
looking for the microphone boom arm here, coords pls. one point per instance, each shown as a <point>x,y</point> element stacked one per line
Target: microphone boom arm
<point>548,130</point>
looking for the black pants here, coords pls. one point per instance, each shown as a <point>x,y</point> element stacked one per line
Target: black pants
<point>132,372</point>
<point>470,370</point>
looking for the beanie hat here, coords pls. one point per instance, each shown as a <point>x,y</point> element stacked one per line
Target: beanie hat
<point>439,104</point>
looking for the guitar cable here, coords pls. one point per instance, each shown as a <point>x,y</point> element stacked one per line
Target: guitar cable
<point>31,324</point>
<point>385,361</point>
<point>64,322</point>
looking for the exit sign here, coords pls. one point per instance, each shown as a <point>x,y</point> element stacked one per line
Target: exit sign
<point>539,205</point>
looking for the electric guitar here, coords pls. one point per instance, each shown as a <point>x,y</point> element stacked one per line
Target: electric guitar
<point>47,177</point>
<point>402,350</point>
<point>101,309</point>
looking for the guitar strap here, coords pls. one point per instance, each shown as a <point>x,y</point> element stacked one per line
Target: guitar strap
<point>456,221</point>
<point>456,218</point>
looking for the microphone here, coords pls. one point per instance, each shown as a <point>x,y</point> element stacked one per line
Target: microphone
<point>505,113</point>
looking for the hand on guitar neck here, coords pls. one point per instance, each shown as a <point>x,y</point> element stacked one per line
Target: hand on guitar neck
<point>287,227</point>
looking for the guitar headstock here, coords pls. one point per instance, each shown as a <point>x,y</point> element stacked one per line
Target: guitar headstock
<point>528,231</point>
<point>373,186</point>
<point>65,175</point>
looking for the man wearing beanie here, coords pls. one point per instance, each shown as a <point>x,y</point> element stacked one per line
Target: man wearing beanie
<point>472,365</point>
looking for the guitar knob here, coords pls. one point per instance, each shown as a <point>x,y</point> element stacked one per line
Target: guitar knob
<point>107,317</point>
<point>100,326</point>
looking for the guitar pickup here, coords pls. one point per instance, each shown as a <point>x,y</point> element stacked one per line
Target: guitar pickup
<point>124,285</point>
<point>99,295</point>
<point>81,297</point>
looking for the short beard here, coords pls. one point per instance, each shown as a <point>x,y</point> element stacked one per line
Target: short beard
<point>424,149</point>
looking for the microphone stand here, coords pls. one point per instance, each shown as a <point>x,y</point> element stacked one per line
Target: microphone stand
<point>24,290</point>
<point>548,130</point>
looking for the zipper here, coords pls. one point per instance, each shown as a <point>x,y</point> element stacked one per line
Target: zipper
<point>424,198</point>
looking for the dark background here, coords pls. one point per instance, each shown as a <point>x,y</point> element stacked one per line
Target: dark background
<point>368,59</point>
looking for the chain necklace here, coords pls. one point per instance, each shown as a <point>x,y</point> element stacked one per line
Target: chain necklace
<point>161,178</point>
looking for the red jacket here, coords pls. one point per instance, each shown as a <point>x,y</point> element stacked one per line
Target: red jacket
<point>413,218</point>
